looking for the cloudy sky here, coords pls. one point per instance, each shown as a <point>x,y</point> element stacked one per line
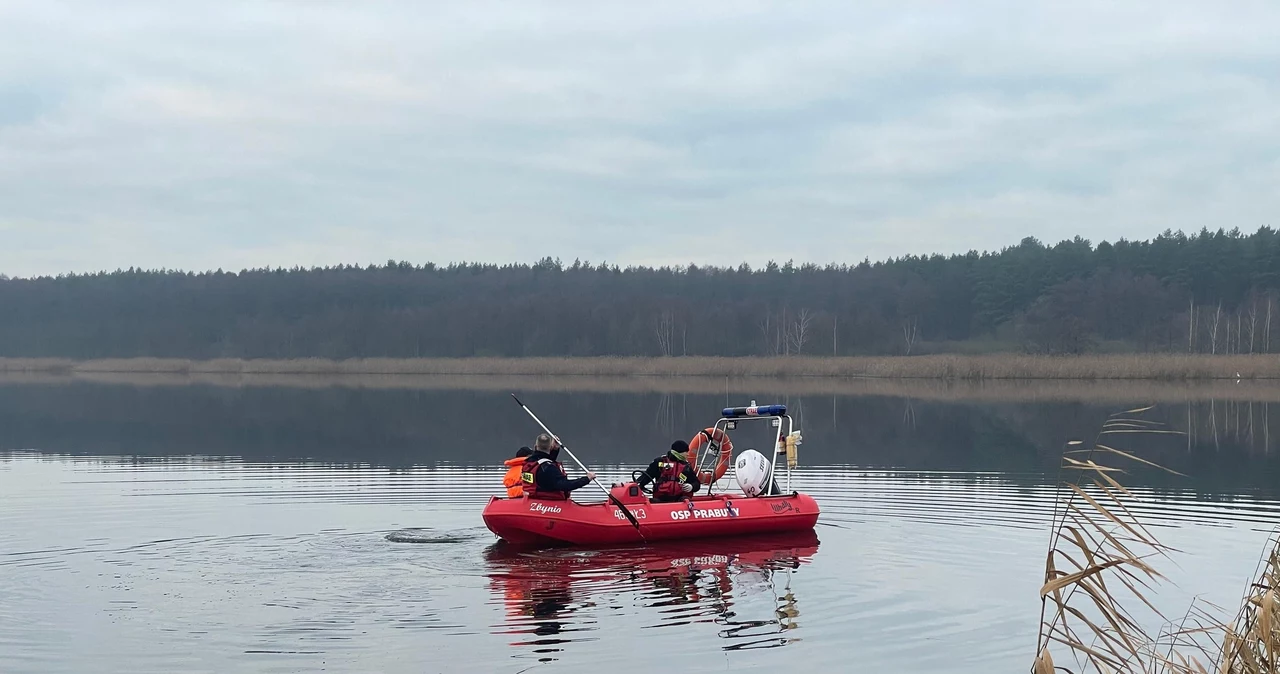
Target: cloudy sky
<point>199,135</point>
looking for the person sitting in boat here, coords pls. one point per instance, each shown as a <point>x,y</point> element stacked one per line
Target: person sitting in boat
<point>672,476</point>
<point>512,480</point>
<point>543,477</point>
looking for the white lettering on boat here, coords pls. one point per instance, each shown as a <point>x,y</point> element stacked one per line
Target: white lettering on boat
<point>638,512</point>
<point>703,513</point>
<point>544,509</point>
<point>708,560</point>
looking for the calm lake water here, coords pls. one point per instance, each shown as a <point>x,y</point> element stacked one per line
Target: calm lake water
<point>214,529</point>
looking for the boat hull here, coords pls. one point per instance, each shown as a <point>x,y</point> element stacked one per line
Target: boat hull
<point>539,522</point>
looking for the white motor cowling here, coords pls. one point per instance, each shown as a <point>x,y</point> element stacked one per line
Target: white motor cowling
<point>752,472</point>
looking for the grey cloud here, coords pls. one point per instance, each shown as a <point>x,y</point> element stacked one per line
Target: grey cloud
<point>202,135</point>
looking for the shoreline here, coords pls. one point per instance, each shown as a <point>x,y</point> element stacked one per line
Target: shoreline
<point>1116,391</point>
<point>942,367</point>
<point>1160,367</point>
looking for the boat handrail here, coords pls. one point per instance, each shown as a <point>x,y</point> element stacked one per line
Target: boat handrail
<point>730,416</point>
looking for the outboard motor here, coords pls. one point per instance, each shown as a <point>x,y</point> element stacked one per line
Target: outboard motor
<point>751,470</point>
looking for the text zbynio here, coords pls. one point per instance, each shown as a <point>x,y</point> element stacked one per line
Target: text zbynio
<point>703,513</point>
<point>544,509</point>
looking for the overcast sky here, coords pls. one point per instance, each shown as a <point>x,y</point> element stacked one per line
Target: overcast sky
<point>198,135</point>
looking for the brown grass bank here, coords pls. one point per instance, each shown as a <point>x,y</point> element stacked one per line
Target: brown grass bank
<point>1166,367</point>
<point>1118,392</point>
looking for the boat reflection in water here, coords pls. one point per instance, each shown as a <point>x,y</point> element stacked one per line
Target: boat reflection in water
<point>738,588</point>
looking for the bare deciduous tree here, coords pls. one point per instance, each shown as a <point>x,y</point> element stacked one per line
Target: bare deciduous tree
<point>775,333</point>
<point>799,332</point>
<point>665,330</point>
<point>1268,330</point>
<point>1191,327</point>
<point>1253,324</point>
<point>1239,330</point>
<point>784,333</point>
<point>1213,331</point>
<point>766,333</point>
<point>911,332</point>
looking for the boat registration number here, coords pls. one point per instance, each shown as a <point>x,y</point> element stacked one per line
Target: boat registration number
<point>638,512</point>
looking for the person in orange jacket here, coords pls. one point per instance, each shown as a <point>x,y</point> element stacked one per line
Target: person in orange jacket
<point>512,480</point>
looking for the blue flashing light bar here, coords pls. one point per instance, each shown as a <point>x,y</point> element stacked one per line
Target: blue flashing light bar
<point>754,411</point>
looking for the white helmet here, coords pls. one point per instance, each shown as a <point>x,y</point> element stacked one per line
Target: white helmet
<point>752,472</point>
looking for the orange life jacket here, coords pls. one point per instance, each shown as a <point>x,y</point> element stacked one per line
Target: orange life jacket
<point>511,480</point>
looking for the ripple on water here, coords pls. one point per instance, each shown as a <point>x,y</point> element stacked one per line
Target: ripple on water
<point>430,536</point>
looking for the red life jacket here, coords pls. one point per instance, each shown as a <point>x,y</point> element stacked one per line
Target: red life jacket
<point>529,478</point>
<point>670,479</point>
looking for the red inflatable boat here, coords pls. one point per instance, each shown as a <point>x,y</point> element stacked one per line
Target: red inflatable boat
<point>761,509</point>
<point>523,520</point>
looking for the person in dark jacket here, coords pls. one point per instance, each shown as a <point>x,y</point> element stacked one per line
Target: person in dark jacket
<point>672,476</point>
<point>542,475</point>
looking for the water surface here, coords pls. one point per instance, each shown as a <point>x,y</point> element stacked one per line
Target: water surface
<point>276,529</point>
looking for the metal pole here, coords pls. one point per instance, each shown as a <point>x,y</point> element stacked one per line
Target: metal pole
<point>566,449</point>
<point>610,497</point>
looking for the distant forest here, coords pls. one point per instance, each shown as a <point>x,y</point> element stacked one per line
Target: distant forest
<point>1212,292</point>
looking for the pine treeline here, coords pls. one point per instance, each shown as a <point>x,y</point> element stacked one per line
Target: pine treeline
<point>1212,292</point>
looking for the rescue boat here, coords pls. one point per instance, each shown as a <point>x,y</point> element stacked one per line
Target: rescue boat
<point>631,516</point>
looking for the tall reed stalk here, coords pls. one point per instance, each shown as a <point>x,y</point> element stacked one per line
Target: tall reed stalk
<point>1252,642</point>
<point>1100,569</point>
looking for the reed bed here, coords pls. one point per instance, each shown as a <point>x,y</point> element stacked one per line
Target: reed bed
<point>1115,392</point>
<point>1252,642</point>
<point>951,367</point>
<point>1101,565</point>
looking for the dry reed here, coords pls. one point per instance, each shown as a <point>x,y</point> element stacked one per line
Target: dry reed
<point>1097,563</point>
<point>1170,367</point>
<point>1252,644</point>
<point>1100,567</point>
<point>1117,392</point>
